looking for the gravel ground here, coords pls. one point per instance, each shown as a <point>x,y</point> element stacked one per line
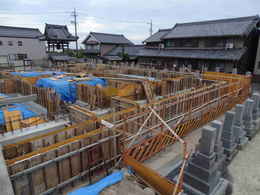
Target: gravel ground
<point>245,169</point>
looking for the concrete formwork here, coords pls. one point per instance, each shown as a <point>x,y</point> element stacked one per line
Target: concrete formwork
<point>50,162</point>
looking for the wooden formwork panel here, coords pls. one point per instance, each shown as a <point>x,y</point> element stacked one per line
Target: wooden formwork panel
<point>168,108</point>
<point>26,146</point>
<point>90,156</point>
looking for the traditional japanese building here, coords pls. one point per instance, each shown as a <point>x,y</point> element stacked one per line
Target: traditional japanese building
<point>98,44</point>
<point>58,37</point>
<point>227,44</point>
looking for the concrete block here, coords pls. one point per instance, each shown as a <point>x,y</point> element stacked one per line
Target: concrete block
<point>256,98</point>
<point>229,136</point>
<point>207,141</point>
<point>249,126</point>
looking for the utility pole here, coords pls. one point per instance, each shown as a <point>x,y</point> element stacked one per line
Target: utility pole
<point>74,14</point>
<point>151,27</point>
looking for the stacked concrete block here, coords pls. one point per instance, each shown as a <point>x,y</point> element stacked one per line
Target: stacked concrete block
<point>241,138</point>
<point>202,175</point>
<point>218,148</point>
<point>234,71</point>
<point>256,111</point>
<point>229,136</point>
<point>249,126</point>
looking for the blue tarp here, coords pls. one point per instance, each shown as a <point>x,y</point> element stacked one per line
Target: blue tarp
<point>3,95</point>
<point>24,109</point>
<point>67,89</point>
<point>98,187</point>
<point>36,74</point>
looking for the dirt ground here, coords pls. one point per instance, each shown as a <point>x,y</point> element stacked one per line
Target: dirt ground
<point>245,169</point>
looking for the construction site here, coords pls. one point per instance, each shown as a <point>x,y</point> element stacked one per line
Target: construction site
<point>102,129</point>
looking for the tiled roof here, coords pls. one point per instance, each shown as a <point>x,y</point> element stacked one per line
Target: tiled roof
<point>225,27</point>
<point>58,32</point>
<point>156,37</point>
<point>130,50</point>
<point>234,54</point>
<point>60,57</point>
<point>110,38</point>
<point>112,58</point>
<point>9,31</point>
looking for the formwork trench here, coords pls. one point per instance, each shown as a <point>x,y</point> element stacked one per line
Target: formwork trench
<point>105,119</point>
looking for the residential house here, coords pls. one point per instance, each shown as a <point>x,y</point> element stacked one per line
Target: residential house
<point>20,45</point>
<point>227,44</point>
<point>126,54</point>
<point>98,44</point>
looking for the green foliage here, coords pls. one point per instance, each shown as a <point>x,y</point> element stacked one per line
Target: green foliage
<point>124,56</point>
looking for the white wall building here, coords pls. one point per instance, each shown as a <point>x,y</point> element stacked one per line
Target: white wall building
<point>21,44</point>
<point>257,61</point>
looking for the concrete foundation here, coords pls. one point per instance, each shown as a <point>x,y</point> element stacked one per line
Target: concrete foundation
<point>5,183</point>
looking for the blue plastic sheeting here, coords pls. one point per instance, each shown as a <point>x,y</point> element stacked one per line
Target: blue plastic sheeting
<point>67,89</point>
<point>24,109</point>
<point>3,95</point>
<point>36,74</point>
<point>98,187</point>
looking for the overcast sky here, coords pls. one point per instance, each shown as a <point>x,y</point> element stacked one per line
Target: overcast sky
<point>128,17</point>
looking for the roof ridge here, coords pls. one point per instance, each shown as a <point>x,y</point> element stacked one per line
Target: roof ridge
<point>107,34</point>
<point>238,19</point>
<point>16,27</point>
<point>59,25</point>
<point>164,29</point>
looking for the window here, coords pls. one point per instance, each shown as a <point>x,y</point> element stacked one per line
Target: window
<point>20,43</point>
<point>182,43</point>
<point>10,43</point>
<point>215,42</point>
<point>21,56</point>
<point>1,43</point>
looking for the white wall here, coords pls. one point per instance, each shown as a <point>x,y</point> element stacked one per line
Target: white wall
<point>257,61</point>
<point>34,48</point>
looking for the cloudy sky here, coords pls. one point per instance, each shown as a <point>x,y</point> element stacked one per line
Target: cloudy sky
<point>128,17</point>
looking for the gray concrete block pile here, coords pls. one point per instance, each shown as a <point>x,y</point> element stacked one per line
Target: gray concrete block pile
<point>206,172</point>
<point>203,174</point>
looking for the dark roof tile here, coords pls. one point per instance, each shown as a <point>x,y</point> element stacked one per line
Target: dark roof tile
<point>156,37</point>
<point>234,54</point>
<point>225,27</point>
<point>58,32</point>
<point>9,31</point>
<point>110,38</point>
<point>130,50</point>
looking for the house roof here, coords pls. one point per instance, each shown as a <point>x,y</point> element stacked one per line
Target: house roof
<point>112,58</point>
<point>234,54</point>
<point>109,38</point>
<point>60,57</point>
<point>156,37</point>
<point>19,32</point>
<point>225,27</point>
<point>130,50</point>
<point>58,32</point>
